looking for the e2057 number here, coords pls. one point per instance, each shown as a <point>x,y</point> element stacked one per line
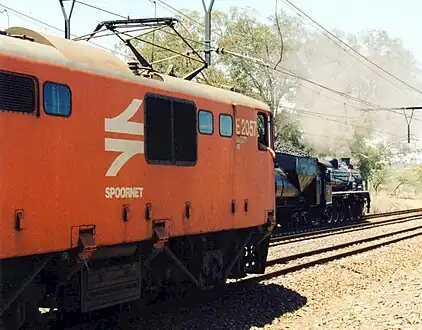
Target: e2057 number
<point>246,127</point>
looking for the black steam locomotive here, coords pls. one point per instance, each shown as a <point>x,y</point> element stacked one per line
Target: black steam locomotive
<point>310,192</point>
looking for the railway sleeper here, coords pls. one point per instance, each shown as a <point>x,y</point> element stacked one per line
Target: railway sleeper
<point>145,272</point>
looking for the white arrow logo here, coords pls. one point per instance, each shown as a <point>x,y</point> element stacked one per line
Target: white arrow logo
<point>127,148</point>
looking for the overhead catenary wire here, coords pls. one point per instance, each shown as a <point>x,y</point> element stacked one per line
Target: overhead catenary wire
<point>361,58</point>
<point>301,12</point>
<point>284,71</point>
<point>4,11</point>
<point>127,17</point>
<point>306,112</point>
<point>173,9</point>
<point>343,103</point>
<point>354,50</point>
<point>294,75</point>
<point>30,18</point>
<point>272,67</point>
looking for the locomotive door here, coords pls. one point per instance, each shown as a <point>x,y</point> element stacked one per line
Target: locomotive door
<point>244,171</point>
<point>252,163</point>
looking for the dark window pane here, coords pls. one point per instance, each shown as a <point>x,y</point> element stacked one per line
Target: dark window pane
<point>184,131</point>
<point>158,129</point>
<point>262,129</point>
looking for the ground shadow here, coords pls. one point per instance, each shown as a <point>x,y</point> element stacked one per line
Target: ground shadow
<point>256,306</point>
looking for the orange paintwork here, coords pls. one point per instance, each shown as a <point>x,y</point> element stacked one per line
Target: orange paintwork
<point>54,168</point>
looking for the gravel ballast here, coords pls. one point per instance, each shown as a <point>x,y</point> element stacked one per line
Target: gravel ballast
<point>286,249</point>
<point>379,289</point>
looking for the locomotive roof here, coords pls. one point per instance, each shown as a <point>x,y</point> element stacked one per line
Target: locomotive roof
<point>82,56</point>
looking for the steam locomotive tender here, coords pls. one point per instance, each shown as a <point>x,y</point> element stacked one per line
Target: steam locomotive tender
<point>117,187</point>
<point>310,192</point>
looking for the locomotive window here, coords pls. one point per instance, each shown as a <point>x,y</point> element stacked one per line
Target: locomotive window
<point>158,124</point>
<point>184,114</point>
<point>170,131</point>
<point>18,93</point>
<point>226,125</point>
<point>263,130</point>
<point>57,99</point>
<point>205,120</point>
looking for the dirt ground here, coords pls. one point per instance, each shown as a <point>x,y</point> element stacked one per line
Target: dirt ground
<point>380,289</point>
<point>383,202</point>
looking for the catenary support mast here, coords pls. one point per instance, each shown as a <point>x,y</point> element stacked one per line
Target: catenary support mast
<point>66,17</point>
<point>208,31</point>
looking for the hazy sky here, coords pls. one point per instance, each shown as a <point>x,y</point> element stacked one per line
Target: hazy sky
<point>399,18</point>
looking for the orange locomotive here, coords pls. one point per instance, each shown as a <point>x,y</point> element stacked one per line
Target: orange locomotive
<point>116,187</point>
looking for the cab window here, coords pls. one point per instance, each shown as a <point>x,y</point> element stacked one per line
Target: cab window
<point>226,125</point>
<point>205,122</point>
<point>263,131</point>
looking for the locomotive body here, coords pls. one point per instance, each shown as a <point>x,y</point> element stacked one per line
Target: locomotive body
<point>298,190</point>
<point>349,198</point>
<point>117,187</point>
<point>344,176</point>
<point>310,192</point>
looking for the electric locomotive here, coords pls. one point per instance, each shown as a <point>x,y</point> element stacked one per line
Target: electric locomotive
<point>118,187</point>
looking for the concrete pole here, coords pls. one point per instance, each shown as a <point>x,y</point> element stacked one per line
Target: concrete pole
<point>208,31</point>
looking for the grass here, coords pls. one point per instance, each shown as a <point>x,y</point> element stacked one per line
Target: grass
<point>384,202</point>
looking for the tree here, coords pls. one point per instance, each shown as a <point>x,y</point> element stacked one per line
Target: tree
<point>372,158</point>
<point>288,133</point>
<point>285,43</point>
<point>272,43</point>
<point>342,69</point>
<point>379,178</point>
<point>240,32</point>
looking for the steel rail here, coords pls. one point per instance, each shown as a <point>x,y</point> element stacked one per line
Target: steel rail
<point>337,247</point>
<point>317,231</point>
<point>343,230</point>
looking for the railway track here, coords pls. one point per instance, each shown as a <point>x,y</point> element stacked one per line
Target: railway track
<point>417,231</point>
<point>116,316</point>
<point>343,230</point>
<point>298,256</point>
<point>193,300</point>
<point>318,232</point>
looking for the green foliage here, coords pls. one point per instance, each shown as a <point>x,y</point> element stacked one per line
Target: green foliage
<point>285,40</point>
<point>372,159</point>
<point>239,31</point>
<point>288,133</point>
